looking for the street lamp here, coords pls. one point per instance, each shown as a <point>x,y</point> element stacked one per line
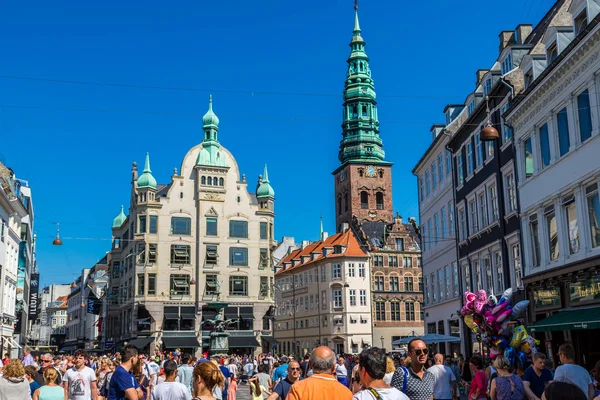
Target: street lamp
<point>382,338</point>
<point>489,133</point>
<point>57,241</point>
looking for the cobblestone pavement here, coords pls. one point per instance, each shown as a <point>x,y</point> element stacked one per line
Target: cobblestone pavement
<point>243,392</point>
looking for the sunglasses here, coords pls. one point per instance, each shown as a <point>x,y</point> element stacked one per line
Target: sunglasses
<point>46,360</point>
<point>418,352</point>
<point>295,369</point>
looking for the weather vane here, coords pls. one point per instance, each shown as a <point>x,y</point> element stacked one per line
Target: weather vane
<point>356,4</point>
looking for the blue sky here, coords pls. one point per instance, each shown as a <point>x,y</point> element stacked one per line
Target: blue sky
<point>276,70</point>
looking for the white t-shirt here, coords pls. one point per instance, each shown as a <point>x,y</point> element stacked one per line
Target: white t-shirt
<point>386,394</point>
<point>442,389</point>
<point>80,383</point>
<point>233,369</point>
<point>152,368</point>
<point>341,371</point>
<point>575,374</point>
<point>171,391</point>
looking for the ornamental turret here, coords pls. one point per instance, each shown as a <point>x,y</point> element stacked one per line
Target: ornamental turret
<point>120,219</point>
<point>360,127</point>
<point>210,154</point>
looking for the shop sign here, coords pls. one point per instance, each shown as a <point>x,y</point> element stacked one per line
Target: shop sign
<point>585,291</point>
<point>546,298</point>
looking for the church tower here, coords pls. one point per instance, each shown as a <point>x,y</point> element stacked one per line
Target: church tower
<point>363,181</point>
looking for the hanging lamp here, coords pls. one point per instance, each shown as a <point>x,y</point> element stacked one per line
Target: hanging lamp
<point>489,133</point>
<point>57,241</point>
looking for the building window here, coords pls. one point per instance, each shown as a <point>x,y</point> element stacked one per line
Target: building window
<point>180,285</point>
<point>211,227</point>
<point>203,180</point>
<point>420,284</point>
<point>528,153</point>
<point>400,244</point>
<point>593,202</point>
<point>467,276</point>
<point>393,261</point>
<point>499,272</point>
<point>551,53</point>
<point>352,293</point>
<point>351,270</point>
<point>448,162</point>
<point>430,230</point>
<point>380,311</point>
<point>408,284</point>
<point>212,285</point>
<point>483,212</point>
<point>427,184</point>
<point>337,298</point>
<point>471,107</point>
<point>378,261</point>
<point>379,200</point>
<point>432,281</point>
<point>426,292</point>
<point>580,22</point>
<point>489,276</point>
<point>116,269</point>
<point>364,200</point>
<point>238,229</point>
<point>447,284</point>
<point>470,159</point>
<point>545,145</point>
<point>444,223</point>
<point>142,224</point>
<point>394,284</point>
<point>552,230</point>
<point>516,255</point>
<point>494,202</point>
<point>379,283</point>
<point>363,297</point>
<point>323,300</point>
<point>511,193</point>
<point>436,224</point>
<point>507,63</point>
<point>410,311</point>
<point>473,218</point>
<point>238,286</point>
<point>361,270</point>
<point>487,86</point>
<point>152,249</point>
<point>433,175</point>
<point>535,240</point>
<point>263,230</point>
<point>263,262</point>
<point>440,283</point>
<point>479,149</point>
<point>238,256</point>
<point>323,273</point>
<point>180,254</point>
<point>585,115</point>
<point>421,190</point>
<point>441,167</point>
<point>336,271</point>
<point>455,279</point>
<point>572,228</point>
<point>141,282</point>
<point>462,225</point>
<point>562,122</point>
<point>339,205</point>
<point>460,169</point>
<point>211,256</point>
<point>181,226</point>
<point>395,310</point>
<point>151,284</point>
<point>507,132</point>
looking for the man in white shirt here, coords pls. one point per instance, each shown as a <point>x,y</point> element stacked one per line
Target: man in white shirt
<point>232,367</point>
<point>80,381</point>
<point>186,371</point>
<point>170,389</point>
<point>444,387</point>
<point>572,373</point>
<point>372,365</point>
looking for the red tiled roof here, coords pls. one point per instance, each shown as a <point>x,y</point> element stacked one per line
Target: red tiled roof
<point>346,239</point>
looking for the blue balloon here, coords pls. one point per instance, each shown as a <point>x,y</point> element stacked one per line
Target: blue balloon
<point>510,354</point>
<point>519,309</point>
<point>521,359</point>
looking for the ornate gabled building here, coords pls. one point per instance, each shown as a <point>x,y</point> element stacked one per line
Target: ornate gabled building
<point>363,196</point>
<point>202,238</point>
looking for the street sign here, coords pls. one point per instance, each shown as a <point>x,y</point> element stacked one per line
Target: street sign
<point>109,345</point>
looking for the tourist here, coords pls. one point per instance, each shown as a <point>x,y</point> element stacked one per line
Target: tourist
<point>221,392</point>
<point>206,377</point>
<point>249,369</point>
<point>282,388</point>
<point>142,379</point>
<point>170,389</point>
<point>341,372</point>
<point>30,373</point>
<point>372,366</point>
<point>570,372</point>
<point>80,381</point>
<point>27,357</point>
<point>101,377</point>
<point>537,376</point>
<point>281,370</point>
<point>232,389</point>
<point>304,366</point>
<point>506,385</point>
<point>390,368</point>
<point>50,391</point>
<point>186,371</point>
<point>414,380</point>
<point>479,383</point>
<point>322,384</point>
<point>13,385</point>
<point>232,367</point>
<point>122,383</point>
<point>264,379</point>
<point>563,391</point>
<point>444,387</point>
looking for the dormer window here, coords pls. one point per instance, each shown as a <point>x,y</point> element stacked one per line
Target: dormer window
<point>551,53</point>
<point>507,63</point>
<point>580,22</point>
<point>528,77</point>
<point>487,86</point>
<point>471,107</point>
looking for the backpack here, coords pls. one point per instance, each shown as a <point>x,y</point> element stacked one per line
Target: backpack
<point>405,379</point>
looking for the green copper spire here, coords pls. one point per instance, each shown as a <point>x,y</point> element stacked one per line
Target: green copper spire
<point>210,153</point>
<point>265,189</point>
<point>321,232</point>
<point>146,180</point>
<point>360,128</point>
<point>117,222</point>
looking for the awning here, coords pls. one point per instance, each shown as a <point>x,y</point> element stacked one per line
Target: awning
<point>188,312</point>
<point>243,341</point>
<point>142,342</point>
<point>14,343</point>
<point>246,313</point>
<point>569,320</point>
<point>270,339</point>
<point>180,342</point>
<point>68,348</point>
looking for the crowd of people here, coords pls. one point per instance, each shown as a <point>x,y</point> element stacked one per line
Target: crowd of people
<point>321,374</point>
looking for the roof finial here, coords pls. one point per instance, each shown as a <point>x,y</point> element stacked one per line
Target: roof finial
<point>356,30</point>
<point>147,163</point>
<point>321,231</point>
<point>356,5</point>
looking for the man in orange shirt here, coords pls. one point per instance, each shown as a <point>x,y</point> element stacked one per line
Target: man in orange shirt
<point>323,383</point>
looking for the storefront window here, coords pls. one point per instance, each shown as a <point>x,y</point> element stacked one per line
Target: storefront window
<point>546,298</point>
<point>585,291</point>
<point>594,213</point>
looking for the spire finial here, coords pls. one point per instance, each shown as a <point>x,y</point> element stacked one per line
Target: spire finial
<point>321,218</point>
<point>210,102</point>
<point>356,5</point>
<point>265,178</point>
<point>356,30</point>
<point>147,164</point>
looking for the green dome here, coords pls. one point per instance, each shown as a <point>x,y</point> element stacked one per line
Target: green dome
<point>117,222</point>
<point>210,118</point>
<point>146,180</point>
<point>265,189</point>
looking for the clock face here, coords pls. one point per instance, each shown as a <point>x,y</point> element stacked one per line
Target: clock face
<point>370,171</point>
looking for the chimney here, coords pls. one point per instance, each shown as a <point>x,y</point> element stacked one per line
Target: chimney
<point>324,236</point>
<point>480,73</point>
<point>345,227</point>
<point>305,243</point>
<point>522,33</point>
<point>506,38</point>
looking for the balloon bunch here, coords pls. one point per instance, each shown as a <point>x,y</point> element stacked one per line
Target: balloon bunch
<point>497,324</point>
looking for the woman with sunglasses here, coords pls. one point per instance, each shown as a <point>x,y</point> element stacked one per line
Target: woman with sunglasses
<point>479,383</point>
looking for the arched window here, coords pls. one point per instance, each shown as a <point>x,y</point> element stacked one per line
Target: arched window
<point>364,200</point>
<point>210,181</point>
<point>221,182</point>
<point>181,195</point>
<point>339,205</point>
<point>346,201</point>
<point>215,181</point>
<point>381,173</point>
<point>379,200</point>
<point>361,172</point>
<point>203,180</point>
